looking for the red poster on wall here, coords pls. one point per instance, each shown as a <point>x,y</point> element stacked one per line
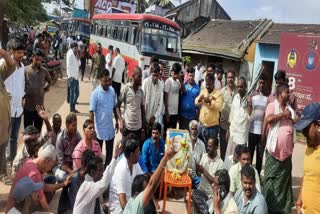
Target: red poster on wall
<point>300,57</point>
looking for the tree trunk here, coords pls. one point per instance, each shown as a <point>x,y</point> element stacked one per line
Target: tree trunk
<point>3,4</point>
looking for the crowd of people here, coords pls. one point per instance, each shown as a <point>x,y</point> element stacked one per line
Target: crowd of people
<point>227,126</point>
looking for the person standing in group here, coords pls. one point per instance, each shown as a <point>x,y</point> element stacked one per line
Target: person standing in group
<point>109,60</point>
<point>171,98</point>
<point>228,92</point>
<point>37,83</point>
<point>188,109</point>
<point>5,34</point>
<point>210,101</point>
<point>146,72</point>
<point>153,95</point>
<point>259,105</point>
<point>134,111</point>
<point>309,194</point>
<point>239,118</point>
<point>103,102</point>
<point>73,63</point>
<point>7,67</point>
<point>15,85</point>
<point>277,188</point>
<point>118,67</point>
<point>219,72</point>
<point>98,65</point>
<point>83,59</point>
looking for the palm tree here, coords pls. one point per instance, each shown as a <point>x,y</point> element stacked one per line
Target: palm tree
<point>162,3</point>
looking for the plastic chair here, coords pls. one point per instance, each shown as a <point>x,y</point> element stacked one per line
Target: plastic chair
<point>169,181</point>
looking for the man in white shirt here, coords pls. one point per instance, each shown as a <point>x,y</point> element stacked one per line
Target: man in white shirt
<point>109,59</point>
<point>15,85</point>
<point>209,164</point>
<point>198,149</point>
<point>235,171</point>
<point>259,105</point>
<point>126,170</point>
<point>89,196</point>
<point>239,118</point>
<point>118,67</point>
<point>73,63</point>
<point>153,94</point>
<point>171,97</point>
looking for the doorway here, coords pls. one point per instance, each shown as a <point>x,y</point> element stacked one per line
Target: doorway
<point>268,68</point>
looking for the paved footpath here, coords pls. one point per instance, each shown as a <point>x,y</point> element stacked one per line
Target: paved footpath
<point>55,101</point>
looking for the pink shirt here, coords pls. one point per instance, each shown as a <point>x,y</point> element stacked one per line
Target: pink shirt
<point>80,148</point>
<point>29,169</point>
<point>284,146</point>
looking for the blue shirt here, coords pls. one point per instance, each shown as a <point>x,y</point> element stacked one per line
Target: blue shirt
<point>102,104</point>
<point>188,107</point>
<point>151,156</point>
<point>255,205</point>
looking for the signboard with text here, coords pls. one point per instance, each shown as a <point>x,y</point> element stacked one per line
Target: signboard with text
<point>300,57</point>
<point>105,6</point>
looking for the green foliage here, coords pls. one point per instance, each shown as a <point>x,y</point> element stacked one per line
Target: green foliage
<point>26,11</point>
<point>187,59</point>
<point>56,12</point>
<point>162,3</point>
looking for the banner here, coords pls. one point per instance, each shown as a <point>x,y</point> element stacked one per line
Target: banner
<point>105,6</point>
<point>299,57</point>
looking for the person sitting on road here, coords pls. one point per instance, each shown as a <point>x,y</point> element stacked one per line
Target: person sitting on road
<point>25,195</point>
<point>233,159</point>
<point>248,198</point>
<point>35,169</point>
<point>141,191</point>
<point>223,201</point>
<point>209,164</point>
<point>87,142</point>
<point>125,172</point>
<point>234,172</point>
<point>66,143</point>
<point>153,150</point>
<point>96,181</point>
<point>32,141</point>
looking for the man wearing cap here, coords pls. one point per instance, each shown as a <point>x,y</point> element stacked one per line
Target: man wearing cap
<point>35,169</point>
<point>309,194</point>
<point>25,195</point>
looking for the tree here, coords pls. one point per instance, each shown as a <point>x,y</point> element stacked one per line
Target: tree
<point>162,3</point>
<point>26,11</point>
<point>56,12</point>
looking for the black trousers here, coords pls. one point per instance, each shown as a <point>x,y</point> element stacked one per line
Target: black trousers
<point>109,150</point>
<point>255,143</point>
<point>172,124</point>
<point>31,118</point>
<point>117,87</point>
<point>184,123</point>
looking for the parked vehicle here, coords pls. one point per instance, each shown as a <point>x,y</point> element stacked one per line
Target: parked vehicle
<point>139,37</point>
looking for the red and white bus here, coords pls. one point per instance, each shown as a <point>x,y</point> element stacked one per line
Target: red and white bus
<point>139,37</point>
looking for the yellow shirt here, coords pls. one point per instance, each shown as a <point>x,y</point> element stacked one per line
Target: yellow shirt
<point>209,113</point>
<point>311,187</point>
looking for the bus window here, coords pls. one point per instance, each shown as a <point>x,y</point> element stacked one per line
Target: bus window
<point>96,29</point>
<point>115,30</point>
<point>100,33</point>
<point>133,35</point>
<point>125,35</point>
<point>119,36</point>
<point>109,31</point>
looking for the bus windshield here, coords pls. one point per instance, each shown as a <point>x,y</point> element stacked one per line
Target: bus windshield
<point>86,28</point>
<point>162,42</point>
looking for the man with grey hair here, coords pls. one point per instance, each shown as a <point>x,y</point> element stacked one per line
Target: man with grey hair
<point>35,169</point>
<point>197,148</point>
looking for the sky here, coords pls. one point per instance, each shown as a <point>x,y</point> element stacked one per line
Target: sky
<point>280,11</point>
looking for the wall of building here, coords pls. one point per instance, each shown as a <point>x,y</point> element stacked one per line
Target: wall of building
<point>266,52</point>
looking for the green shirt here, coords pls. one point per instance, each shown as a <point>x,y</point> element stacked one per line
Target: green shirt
<point>96,64</point>
<point>134,205</point>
